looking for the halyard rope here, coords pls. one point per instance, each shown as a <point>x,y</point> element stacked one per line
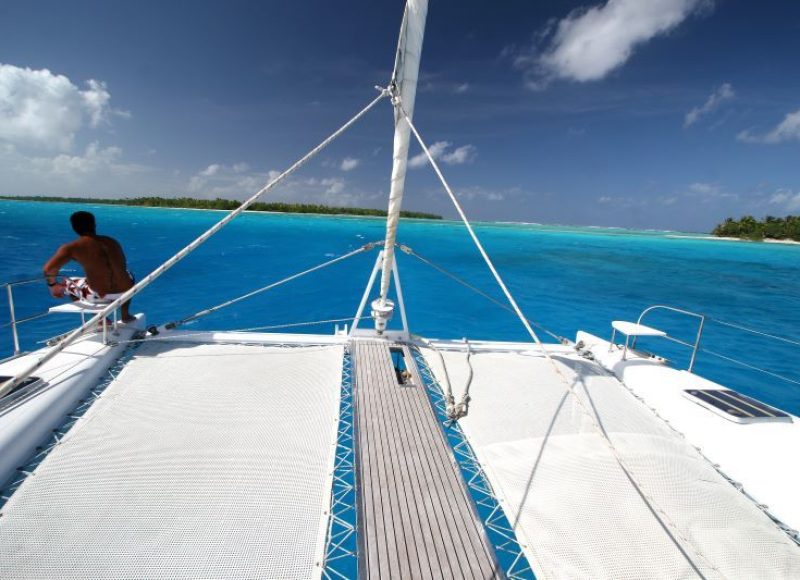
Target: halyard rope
<point>570,389</point>
<point>147,280</point>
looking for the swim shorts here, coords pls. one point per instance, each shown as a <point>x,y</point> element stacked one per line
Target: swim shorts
<point>79,288</point>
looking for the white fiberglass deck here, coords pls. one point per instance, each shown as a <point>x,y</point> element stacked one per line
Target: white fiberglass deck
<point>577,512</point>
<point>209,461</point>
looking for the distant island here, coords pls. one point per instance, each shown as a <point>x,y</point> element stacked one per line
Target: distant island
<point>770,228</point>
<point>228,204</point>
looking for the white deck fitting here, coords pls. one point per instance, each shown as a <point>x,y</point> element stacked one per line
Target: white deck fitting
<point>762,457</point>
<point>633,329</point>
<point>198,461</point>
<point>576,512</point>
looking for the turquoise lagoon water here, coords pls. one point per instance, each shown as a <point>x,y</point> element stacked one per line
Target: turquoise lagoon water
<point>564,278</point>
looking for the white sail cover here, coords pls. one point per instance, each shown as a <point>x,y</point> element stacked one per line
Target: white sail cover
<point>406,72</point>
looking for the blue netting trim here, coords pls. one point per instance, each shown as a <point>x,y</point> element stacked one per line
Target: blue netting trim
<point>341,551</point>
<point>507,548</point>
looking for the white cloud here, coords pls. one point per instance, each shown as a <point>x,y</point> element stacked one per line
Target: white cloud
<point>236,181</point>
<point>786,199</point>
<point>98,171</point>
<point>462,88</point>
<point>45,110</point>
<point>703,188</point>
<point>622,202</point>
<point>723,93</point>
<point>441,152</point>
<point>436,150</point>
<point>786,130</point>
<point>349,163</point>
<point>463,154</point>
<point>333,185</point>
<point>708,192</point>
<point>482,193</point>
<point>211,170</point>
<point>592,42</point>
<point>218,179</point>
<point>91,161</point>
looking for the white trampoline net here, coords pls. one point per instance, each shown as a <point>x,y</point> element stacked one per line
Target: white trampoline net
<point>575,510</point>
<point>199,461</point>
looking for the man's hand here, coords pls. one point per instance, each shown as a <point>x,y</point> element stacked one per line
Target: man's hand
<point>57,290</point>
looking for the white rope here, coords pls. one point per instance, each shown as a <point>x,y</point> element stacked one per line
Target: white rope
<point>472,234</point>
<point>569,387</point>
<point>453,410</point>
<point>461,409</point>
<point>147,280</point>
<point>448,388</point>
<point>364,248</point>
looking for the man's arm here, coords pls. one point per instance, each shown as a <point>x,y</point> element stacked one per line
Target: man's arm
<point>53,265</point>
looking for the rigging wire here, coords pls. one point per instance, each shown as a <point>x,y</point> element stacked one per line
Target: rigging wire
<point>200,314</point>
<point>751,367</point>
<point>454,277</point>
<point>486,258</point>
<point>28,319</point>
<point>754,331</point>
<point>10,384</point>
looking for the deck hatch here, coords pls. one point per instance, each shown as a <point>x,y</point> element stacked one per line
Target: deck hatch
<point>736,406</point>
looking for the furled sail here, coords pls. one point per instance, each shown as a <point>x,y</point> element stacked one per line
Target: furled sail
<point>404,80</point>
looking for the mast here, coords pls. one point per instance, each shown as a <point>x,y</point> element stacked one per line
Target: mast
<point>404,89</point>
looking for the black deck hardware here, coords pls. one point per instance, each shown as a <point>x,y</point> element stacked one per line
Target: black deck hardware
<point>736,406</point>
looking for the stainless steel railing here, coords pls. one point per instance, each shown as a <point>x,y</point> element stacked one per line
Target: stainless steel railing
<point>696,346</point>
<point>13,322</point>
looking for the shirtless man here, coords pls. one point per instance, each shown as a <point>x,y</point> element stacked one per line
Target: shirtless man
<point>102,260</point>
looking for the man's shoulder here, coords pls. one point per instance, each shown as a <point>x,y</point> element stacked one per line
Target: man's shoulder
<point>70,246</point>
<point>107,239</point>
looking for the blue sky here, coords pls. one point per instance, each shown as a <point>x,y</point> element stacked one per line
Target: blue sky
<point>652,114</point>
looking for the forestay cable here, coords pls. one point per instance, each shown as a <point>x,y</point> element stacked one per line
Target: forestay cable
<point>147,280</point>
<point>207,311</point>
<point>509,297</point>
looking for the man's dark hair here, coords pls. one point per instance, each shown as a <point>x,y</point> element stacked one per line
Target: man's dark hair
<point>83,223</point>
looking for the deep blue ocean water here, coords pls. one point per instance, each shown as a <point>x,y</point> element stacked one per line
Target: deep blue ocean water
<point>564,278</point>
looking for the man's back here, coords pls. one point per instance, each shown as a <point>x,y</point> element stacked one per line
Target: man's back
<point>103,261</point>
